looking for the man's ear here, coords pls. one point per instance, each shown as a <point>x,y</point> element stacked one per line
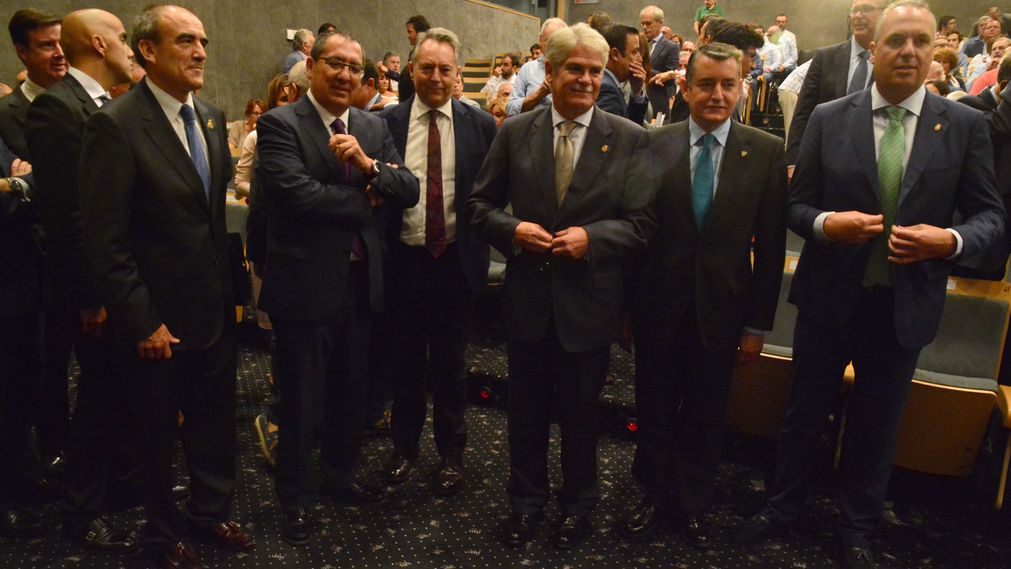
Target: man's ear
<point>371,83</point>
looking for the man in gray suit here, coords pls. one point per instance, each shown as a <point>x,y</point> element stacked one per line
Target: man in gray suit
<point>579,207</point>
<point>880,175</point>
<point>663,56</point>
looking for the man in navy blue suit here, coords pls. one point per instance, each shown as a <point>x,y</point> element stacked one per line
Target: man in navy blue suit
<point>437,263</point>
<point>879,176</point>
<point>624,63</point>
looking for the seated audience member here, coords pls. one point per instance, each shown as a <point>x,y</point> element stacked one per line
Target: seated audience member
<point>955,39</point>
<point>536,51</point>
<point>988,99</point>
<point>505,72</point>
<point>787,42</point>
<point>949,63</point>
<point>938,87</point>
<point>770,56</point>
<point>498,110</point>
<point>238,130</point>
<point>388,94</point>
<point>505,91</point>
<point>987,77</point>
<point>277,96</point>
<point>935,72</point>
<point>366,96</point>
<point>789,91</point>
<point>688,46</point>
<point>530,89</point>
<point>458,91</point>
<point>390,66</point>
<point>975,45</point>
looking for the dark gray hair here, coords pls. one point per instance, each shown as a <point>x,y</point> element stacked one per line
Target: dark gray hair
<point>900,4</point>
<point>145,27</point>
<point>716,50</point>
<point>300,38</point>
<point>317,47</point>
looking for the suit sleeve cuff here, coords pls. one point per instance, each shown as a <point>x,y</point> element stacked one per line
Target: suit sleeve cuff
<point>958,245</point>
<point>754,331</point>
<point>819,227</point>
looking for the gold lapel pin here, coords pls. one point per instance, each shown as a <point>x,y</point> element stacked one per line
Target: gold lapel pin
<point>937,127</point>
<point>604,148</point>
<point>210,124</point>
<point>744,154</point>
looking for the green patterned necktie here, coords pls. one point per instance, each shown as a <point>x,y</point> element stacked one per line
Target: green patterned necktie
<point>891,152</point>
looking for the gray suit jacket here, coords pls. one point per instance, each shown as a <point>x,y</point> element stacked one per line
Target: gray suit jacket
<point>608,196</point>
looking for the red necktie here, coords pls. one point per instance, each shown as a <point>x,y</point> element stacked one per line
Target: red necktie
<point>435,216</point>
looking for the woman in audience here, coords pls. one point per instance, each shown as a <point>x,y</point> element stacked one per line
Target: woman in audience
<point>498,110</point>
<point>238,130</point>
<point>952,73</point>
<point>277,96</point>
<point>389,95</point>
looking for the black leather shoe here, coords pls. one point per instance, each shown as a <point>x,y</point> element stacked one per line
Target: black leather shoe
<point>354,494</point>
<point>519,528</point>
<point>295,527</point>
<point>695,532</point>
<point>642,522</point>
<point>756,528</point>
<point>101,537</point>
<point>399,467</point>
<point>571,531</point>
<point>15,522</point>
<point>857,558</point>
<point>450,476</point>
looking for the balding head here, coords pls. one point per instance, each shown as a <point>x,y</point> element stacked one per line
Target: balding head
<point>95,41</point>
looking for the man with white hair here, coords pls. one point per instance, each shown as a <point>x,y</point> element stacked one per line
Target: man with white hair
<point>579,208</point>
<point>301,45</point>
<point>530,90</point>
<point>663,56</point>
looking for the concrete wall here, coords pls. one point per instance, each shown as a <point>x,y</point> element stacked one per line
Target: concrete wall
<point>816,22</point>
<point>247,36</point>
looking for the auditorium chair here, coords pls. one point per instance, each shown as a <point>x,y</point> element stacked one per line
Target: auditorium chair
<point>475,74</point>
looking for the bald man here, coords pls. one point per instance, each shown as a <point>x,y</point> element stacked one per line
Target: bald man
<point>95,45</point>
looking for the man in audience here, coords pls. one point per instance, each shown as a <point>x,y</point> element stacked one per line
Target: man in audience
<point>983,64</point>
<point>99,55</point>
<point>976,45</point>
<point>579,207</point>
<point>437,262</point>
<point>788,92</point>
<point>535,51</point>
<point>697,287</point>
<point>706,10</point>
<point>415,25</point>
<point>504,91</point>
<point>835,71</point>
<point>946,25</point>
<point>770,58</point>
<point>301,45</point>
<point>390,65</point>
<point>988,99</point>
<point>787,43</point>
<point>366,95</point>
<point>171,309</point>
<point>330,175</point>
<point>1001,16</point>
<point>506,74</point>
<point>458,91</point>
<point>663,57</point>
<point>871,281</point>
<point>624,63</point>
<point>531,90</point>
<point>326,28</point>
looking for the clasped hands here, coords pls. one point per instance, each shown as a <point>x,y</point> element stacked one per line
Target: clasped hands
<point>908,245</point>
<point>571,243</point>
<point>346,149</point>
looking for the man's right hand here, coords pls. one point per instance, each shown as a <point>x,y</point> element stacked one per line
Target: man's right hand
<point>157,346</point>
<point>532,237</point>
<point>853,227</point>
<point>20,168</point>
<point>92,321</point>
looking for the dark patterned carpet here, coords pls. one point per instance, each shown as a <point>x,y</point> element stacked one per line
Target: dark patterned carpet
<point>941,524</point>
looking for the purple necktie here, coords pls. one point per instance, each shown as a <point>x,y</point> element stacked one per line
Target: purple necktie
<point>357,245</point>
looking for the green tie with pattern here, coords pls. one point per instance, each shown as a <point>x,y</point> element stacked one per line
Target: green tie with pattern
<point>890,154</point>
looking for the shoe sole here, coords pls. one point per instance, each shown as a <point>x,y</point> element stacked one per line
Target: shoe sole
<point>292,541</point>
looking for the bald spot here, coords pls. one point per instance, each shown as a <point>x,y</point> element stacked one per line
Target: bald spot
<point>80,26</point>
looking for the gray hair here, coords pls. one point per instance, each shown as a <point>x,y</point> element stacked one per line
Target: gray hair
<point>563,41</point>
<point>439,35</point>
<point>145,28</point>
<point>715,50</point>
<point>654,12</point>
<point>551,22</point>
<point>301,38</point>
<point>297,75</point>
<point>921,4</point>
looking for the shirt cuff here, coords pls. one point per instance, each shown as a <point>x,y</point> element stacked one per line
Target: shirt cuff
<point>819,227</point>
<point>754,331</point>
<point>958,245</point>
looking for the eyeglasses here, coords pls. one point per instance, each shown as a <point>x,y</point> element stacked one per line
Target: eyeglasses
<point>340,65</point>
<point>865,9</point>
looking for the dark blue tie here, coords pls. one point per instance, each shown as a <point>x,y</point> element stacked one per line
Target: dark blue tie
<point>357,244</point>
<point>703,180</point>
<point>197,153</point>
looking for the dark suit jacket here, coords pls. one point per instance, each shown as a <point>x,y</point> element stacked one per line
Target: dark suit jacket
<point>158,248</point>
<point>825,81</point>
<point>950,169</point>
<point>473,131</point>
<point>608,197</point>
<point>54,127</point>
<point>20,253</point>
<point>985,101</point>
<point>313,214</point>
<point>612,100</point>
<point>666,56</point>
<point>707,274</point>
<point>973,46</point>
<point>678,110</point>
<point>13,113</point>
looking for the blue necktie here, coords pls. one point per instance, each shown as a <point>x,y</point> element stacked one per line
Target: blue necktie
<point>357,244</point>
<point>197,153</point>
<point>703,180</point>
<point>859,80</point>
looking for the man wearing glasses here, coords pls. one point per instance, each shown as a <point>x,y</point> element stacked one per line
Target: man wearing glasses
<point>836,71</point>
<point>331,175</point>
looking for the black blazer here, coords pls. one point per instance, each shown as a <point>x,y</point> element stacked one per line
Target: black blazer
<point>985,101</point>
<point>608,197</point>
<point>313,215</point>
<point>473,132</point>
<point>950,169</point>
<point>158,248</point>
<point>53,130</point>
<point>825,81</point>
<point>13,114</point>
<point>20,253</point>
<point>612,100</point>
<point>707,274</point>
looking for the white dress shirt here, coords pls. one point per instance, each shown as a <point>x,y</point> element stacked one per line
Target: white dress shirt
<point>30,89</point>
<point>412,232</point>
<point>171,107</point>
<point>578,135</point>
<point>788,46</point>
<point>91,87</point>
<point>327,117</point>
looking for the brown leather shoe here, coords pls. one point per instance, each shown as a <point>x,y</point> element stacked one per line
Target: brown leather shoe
<point>231,536</point>
<point>399,467</point>
<point>182,556</point>
<point>450,476</point>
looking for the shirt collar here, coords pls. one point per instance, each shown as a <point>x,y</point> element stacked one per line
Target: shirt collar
<point>912,103</point>
<point>31,89</point>
<point>695,132</point>
<point>170,104</point>
<point>419,108</point>
<point>92,87</point>
<point>326,115</point>
<point>373,101</point>
<point>583,119</point>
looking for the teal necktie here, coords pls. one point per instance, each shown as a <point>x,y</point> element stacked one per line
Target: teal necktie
<point>703,179</point>
<point>891,152</point>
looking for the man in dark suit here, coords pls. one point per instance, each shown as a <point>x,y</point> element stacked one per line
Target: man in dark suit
<point>663,56</point>
<point>330,175</point>
<point>579,207</point>
<point>836,70</point>
<point>624,63</point>
<point>96,47</point>
<point>876,214</point>
<point>437,264</point>
<point>154,168</point>
<point>699,302</point>
<point>988,99</point>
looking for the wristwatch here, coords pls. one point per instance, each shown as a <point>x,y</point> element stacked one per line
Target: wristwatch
<point>18,189</point>
<point>375,168</point>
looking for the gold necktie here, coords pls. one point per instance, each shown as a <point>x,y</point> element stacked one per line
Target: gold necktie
<point>563,159</point>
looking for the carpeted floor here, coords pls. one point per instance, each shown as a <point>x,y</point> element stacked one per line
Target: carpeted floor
<point>943,523</point>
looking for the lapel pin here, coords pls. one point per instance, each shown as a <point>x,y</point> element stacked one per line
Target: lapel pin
<point>604,148</point>
<point>210,124</point>
<point>937,127</point>
<point>744,154</point>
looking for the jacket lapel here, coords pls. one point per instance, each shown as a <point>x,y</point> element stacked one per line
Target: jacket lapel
<point>164,137</point>
<point>214,150</point>
<point>736,158</point>
<point>679,175</point>
<point>399,125</point>
<point>861,130</point>
<point>309,120</point>
<point>842,66</point>
<point>930,130</point>
<point>542,151</point>
<point>592,158</point>
<point>88,105</point>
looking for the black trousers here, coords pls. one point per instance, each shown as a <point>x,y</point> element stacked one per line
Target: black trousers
<point>884,370</point>
<point>681,392</point>
<point>432,311</point>
<point>58,334</point>
<point>321,368</point>
<point>543,375</point>
<point>20,391</point>
<point>201,385</point>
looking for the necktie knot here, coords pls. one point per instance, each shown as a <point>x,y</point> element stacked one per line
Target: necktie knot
<point>706,141</point>
<point>187,113</point>
<point>337,127</point>
<point>895,114</point>
<point>864,55</point>
<point>565,129</point>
